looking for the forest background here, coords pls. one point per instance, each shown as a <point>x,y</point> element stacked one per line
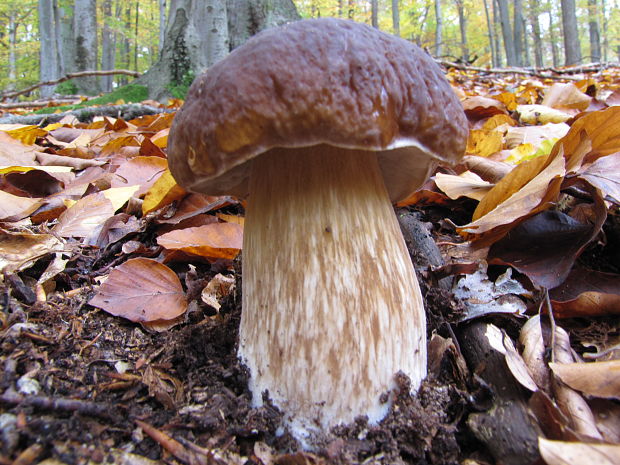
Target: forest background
<point>46,39</point>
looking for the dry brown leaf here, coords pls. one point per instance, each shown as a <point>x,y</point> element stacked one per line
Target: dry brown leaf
<point>13,152</point>
<point>466,184</point>
<point>489,170</point>
<point>517,195</point>
<point>604,174</point>
<point>482,107</point>
<point>19,251</point>
<point>541,114</point>
<point>142,290</point>
<point>163,192</point>
<point>213,241</point>
<point>599,379</point>
<point>85,216</point>
<point>219,287</point>
<point>14,207</point>
<point>140,171</point>
<point>566,96</point>
<point>578,453</point>
<point>531,339</point>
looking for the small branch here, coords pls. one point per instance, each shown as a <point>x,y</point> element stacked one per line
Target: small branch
<point>66,78</point>
<point>38,104</point>
<point>84,407</point>
<point>545,73</point>
<point>126,111</point>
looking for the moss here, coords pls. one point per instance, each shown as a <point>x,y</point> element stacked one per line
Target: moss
<point>129,94</point>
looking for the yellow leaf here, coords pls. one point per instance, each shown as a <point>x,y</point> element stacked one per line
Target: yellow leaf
<point>27,134</point>
<point>119,195</point>
<point>520,153</point>
<point>484,143</point>
<point>163,192</point>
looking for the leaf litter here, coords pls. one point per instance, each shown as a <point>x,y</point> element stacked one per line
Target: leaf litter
<point>92,219</point>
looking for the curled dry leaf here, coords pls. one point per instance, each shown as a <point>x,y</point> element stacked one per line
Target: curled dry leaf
<point>13,152</point>
<point>19,251</point>
<point>517,365</point>
<point>578,453</point>
<point>85,216</point>
<point>489,170</point>
<point>142,290</point>
<point>217,240</point>
<point>14,207</point>
<point>587,293</point>
<point>541,114</point>
<point>482,107</point>
<point>600,379</point>
<point>604,174</point>
<point>566,96</point>
<point>520,193</point>
<point>531,339</point>
<point>219,287</point>
<point>466,184</point>
<point>162,193</point>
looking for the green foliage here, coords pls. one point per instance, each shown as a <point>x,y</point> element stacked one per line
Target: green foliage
<point>179,90</point>
<point>66,88</point>
<point>130,93</point>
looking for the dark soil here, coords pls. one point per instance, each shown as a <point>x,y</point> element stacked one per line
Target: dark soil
<point>93,376</point>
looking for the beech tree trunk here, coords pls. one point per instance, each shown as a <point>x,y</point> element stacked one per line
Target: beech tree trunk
<point>162,23</point>
<point>199,33</point>
<point>491,34</point>
<point>518,33</point>
<point>49,68</point>
<point>535,23</point>
<point>595,35</point>
<point>572,48</point>
<point>108,46</point>
<point>497,27</point>
<point>85,40</point>
<point>374,13</point>
<point>509,46</point>
<point>12,51</point>
<point>438,29</point>
<point>463,29</point>
<point>396,17</point>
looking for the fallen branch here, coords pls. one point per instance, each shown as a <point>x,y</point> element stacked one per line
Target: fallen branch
<point>544,73</point>
<point>66,77</point>
<point>126,111</point>
<point>39,103</point>
<point>84,407</point>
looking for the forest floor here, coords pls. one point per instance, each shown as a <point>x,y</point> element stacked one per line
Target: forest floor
<point>89,382</point>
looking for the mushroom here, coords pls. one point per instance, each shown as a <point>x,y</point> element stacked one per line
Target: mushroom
<point>322,124</point>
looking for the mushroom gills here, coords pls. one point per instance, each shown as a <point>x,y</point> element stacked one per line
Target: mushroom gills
<point>331,305</point>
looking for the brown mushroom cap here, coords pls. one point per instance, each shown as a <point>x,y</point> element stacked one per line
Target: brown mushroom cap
<point>320,81</point>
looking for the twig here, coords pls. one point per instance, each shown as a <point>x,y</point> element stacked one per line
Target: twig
<point>88,408</point>
<point>66,78</point>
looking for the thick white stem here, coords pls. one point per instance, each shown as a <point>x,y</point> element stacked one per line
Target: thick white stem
<point>331,305</point>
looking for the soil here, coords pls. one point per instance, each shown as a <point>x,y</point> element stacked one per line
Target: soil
<point>93,377</point>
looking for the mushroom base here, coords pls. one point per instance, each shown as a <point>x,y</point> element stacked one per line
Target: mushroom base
<point>331,304</point>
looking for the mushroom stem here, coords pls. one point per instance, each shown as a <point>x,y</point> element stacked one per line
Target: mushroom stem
<point>331,304</point>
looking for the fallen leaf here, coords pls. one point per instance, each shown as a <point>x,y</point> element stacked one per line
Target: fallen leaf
<point>142,290</point>
<point>217,288</point>
<point>14,207</point>
<point>163,192</point>
<point>85,216</point>
<point>541,114</point>
<point>467,184</point>
<point>604,174</point>
<point>484,143</point>
<point>578,453</point>
<point>482,107</point>
<point>140,171</point>
<point>217,240</point>
<point>566,96</point>
<point>19,251</point>
<point>599,379</point>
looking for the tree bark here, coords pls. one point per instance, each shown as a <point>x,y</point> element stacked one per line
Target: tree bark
<point>463,28</point>
<point>491,34</point>
<point>85,40</point>
<point>534,21</point>
<point>518,32</point>
<point>509,46</point>
<point>108,47</point>
<point>595,35</point>
<point>49,67</point>
<point>438,29</point>
<point>396,17</point>
<point>162,23</point>
<point>12,51</point>
<point>135,36</point>
<point>374,13</point>
<point>572,48</point>
<point>555,55</point>
<point>248,17</point>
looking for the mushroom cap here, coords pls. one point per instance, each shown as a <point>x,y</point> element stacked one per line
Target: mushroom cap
<point>311,82</point>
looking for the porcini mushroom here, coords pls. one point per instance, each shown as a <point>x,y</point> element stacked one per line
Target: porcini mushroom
<point>321,124</point>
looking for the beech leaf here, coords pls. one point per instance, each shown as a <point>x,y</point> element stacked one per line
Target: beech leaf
<point>142,290</point>
<point>599,379</point>
<point>216,240</point>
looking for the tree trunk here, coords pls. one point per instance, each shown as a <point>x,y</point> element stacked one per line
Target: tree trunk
<point>595,35</point>
<point>85,39</point>
<point>572,48</point>
<point>534,21</point>
<point>438,29</point>
<point>527,61</point>
<point>555,55</point>
<point>463,28</point>
<point>497,25</point>
<point>135,36</point>
<point>396,17</point>
<point>108,47</point>
<point>374,13</point>
<point>49,67</point>
<point>62,32</point>
<point>509,46</point>
<point>490,34</point>
<point>248,17</point>
<point>162,23</point>
<point>518,32</point>
<point>12,51</point>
